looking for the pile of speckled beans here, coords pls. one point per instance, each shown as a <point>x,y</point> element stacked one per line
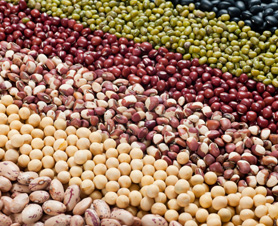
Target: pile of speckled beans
<point>138,113</point>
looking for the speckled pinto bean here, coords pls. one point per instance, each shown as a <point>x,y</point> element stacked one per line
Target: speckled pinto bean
<point>5,184</point>
<point>31,213</point>
<point>39,183</point>
<point>76,220</point>
<point>123,216</point>
<point>26,177</point>
<point>72,197</point>
<point>81,207</point>
<point>153,220</point>
<point>19,202</point>
<point>39,196</point>
<point>5,220</point>
<point>102,209</point>
<point>92,218</point>
<point>9,170</point>
<point>20,188</point>
<point>59,220</point>
<point>56,190</point>
<point>53,207</point>
<point>109,222</point>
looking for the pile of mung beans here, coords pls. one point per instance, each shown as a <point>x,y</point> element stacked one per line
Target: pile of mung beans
<point>136,113</point>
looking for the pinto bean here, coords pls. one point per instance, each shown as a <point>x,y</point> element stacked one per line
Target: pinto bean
<point>123,216</point>
<point>72,197</point>
<point>5,220</point>
<point>31,213</point>
<point>26,177</point>
<point>56,190</point>
<point>102,208</point>
<point>39,196</point>
<point>109,222</point>
<point>81,207</point>
<point>92,218</point>
<point>5,184</point>
<point>53,207</point>
<point>39,183</point>
<point>9,170</point>
<point>19,202</point>
<point>20,188</point>
<point>76,220</point>
<point>59,220</point>
<point>153,220</point>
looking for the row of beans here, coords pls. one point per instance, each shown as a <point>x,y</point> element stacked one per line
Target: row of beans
<point>163,139</point>
<point>226,45</point>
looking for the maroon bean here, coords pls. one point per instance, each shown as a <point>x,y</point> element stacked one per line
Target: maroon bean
<point>226,109</point>
<point>267,112</point>
<point>251,116</point>
<point>262,122</point>
<point>241,109</point>
<point>208,93</point>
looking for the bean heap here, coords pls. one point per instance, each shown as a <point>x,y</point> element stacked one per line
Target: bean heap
<point>102,124</point>
<point>51,86</point>
<point>259,15</point>
<point>226,45</point>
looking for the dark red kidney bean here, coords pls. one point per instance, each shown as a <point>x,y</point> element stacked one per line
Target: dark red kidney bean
<point>233,105</point>
<point>134,79</point>
<point>272,127</point>
<point>243,78</point>
<point>35,13</point>
<point>269,100</point>
<point>251,116</point>
<point>267,112</point>
<point>226,109</point>
<point>208,93</point>
<point>215,81</point>
<point>215,106</point>
<point>200,98</point>
<point>274,105</point>
<point>176,95</point>
<point>241,109</point>
<point>266,94</point>
<point>257,98</point>
<point>262,122</point>
<point>270,89</point>
<point>241,95</point>
<point>180,85</point>
<point>231,83</point>
<point>246,102</point>
<point>218,91</point>
<point>227,75</point>
<point>260,87</point>
<point>206,77</point>
<point>172,81</point>
<point>190,97</point>
<point>261,103</point>
<point>232,97</point>
<point>224,97</point>
<point>193,75</point>
<point>213,99</point>
<point>251,84</point>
